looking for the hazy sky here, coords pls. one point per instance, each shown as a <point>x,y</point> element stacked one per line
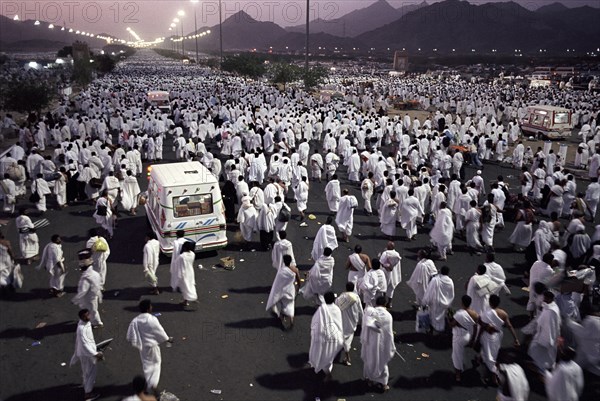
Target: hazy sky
<point>151,19</point>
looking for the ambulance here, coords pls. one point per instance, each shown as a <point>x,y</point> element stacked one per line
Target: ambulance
<point>547,122</point>
<point>185,196</point>
<point>160,100</point>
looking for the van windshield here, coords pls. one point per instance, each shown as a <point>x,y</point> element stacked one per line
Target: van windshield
<point>192,205</point>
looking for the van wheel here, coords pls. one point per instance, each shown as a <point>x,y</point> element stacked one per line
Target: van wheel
<point>541,136</point>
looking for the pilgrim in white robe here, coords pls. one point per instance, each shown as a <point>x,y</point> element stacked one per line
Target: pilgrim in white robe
<point>280,248</point>
<point>378,348</point>
<point>391,261</point>
<point>129,193</point>
<point>325,238</point>
<point>411,209</point>
<point>352,314</point>
<point>326,337</point>
<point>146,334</point>
<point>491,342</point>
<point>28,240</point>
<point>367,191</point>
<point>60,190</point>
<point>517,383</point>
<point>112,185</point>
<point>387,217</point>
<point>544,345</point>
<point>345,215</point>
<point>319,280</point>
<point>105,221</point>
<point>357,272</point>
<point>333,194</point>
<point>472,224</point>
<point>283,293</point>
<point>487,229</point>
<point>8,193</point>
<point>247,216</point>
<point>462,334</point>
<point>442,232</point>
<point>374,284</point>
<point>438,298</point>
<point>53,262</point>
<point>99,257</point>
<point>354,168</point>
<point>588,343</point>
<point>40,186</point>
<point>301,195</point>
<point>496,273</point>
<point>419,280</point>
<point>177,244</point>
<point>85,353</point>
<point>151,260</point>
<point>186,279</point>
<point>89,294</point>
<point>479,288</point>
<point>565,382</point>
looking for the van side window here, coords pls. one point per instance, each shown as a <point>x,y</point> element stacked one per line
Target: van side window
<point>561,118</point>
<point>192,205</point>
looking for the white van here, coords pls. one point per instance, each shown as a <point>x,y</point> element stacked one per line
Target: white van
<point>185,196</point>
<point>160,100</point>
<point>547,122</point>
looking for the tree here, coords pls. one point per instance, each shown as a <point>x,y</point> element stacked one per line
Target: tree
<point>244,64</point>
<point>65,52</point>
<point>28,96</point>
<point>315,77</point>
<point>284,73</point>
<point>104,63</point>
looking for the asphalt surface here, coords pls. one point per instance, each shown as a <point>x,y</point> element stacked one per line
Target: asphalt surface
<point>231,343</point>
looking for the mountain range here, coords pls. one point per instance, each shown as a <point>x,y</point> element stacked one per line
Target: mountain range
<point>24,35</point>
<point>418,27</point>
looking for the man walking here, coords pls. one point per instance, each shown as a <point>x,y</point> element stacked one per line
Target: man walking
<point>146,334</point>
<point>87,354</point>
<point>53,261</point>
<point>89,290</point>
<point>378,348</point>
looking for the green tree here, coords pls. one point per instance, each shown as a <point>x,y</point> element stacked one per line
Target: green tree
<point>315,77</point>
<point>284,73</point>
<point>28,96</point>
<point>247,65</point>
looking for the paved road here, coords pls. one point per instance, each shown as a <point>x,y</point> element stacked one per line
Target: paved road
<point>231,344</point>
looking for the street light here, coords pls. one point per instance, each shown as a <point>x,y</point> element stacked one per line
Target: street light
<point>194,2</point>
<point>181,13</point>
<point>307,39</point>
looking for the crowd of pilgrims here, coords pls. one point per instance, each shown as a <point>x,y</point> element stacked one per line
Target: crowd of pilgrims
<point>266,146</point>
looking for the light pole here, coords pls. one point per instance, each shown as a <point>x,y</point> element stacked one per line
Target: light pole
<point>181,13</point>
<point>221,30</point>
<point>307,41</point>
<point>195,27</point>
<point>174,26</point>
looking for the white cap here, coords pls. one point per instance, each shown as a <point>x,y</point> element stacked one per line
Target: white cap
<point>478,172</point>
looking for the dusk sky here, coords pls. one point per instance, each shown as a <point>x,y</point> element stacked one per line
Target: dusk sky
<point>151,19</point>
